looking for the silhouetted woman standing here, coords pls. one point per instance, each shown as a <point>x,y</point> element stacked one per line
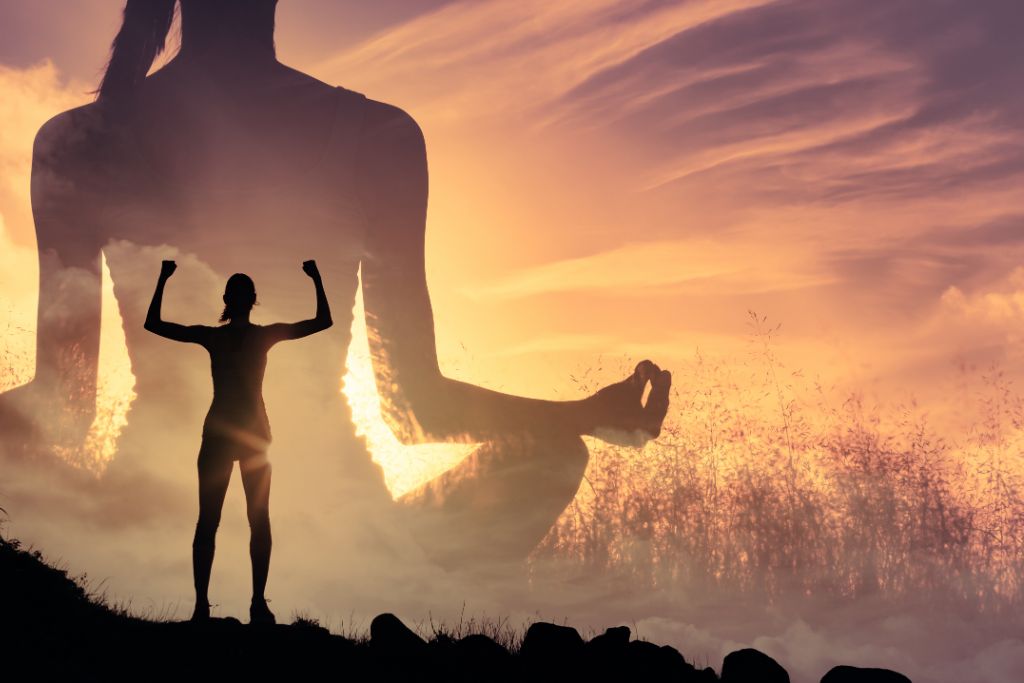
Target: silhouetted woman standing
<point>240,163</point>
<point>236,426</point>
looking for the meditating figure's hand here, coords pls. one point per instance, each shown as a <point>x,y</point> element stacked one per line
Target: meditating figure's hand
<point>617,414</point>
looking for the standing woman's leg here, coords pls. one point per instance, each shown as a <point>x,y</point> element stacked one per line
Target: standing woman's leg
<point>214,465</point>
<point>256,482</point>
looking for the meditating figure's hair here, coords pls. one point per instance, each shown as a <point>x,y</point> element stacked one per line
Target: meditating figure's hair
<point>147,23</point>
<point>142,37</point>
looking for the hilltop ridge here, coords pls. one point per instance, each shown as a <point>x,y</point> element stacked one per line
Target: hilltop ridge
<point>53,629</point>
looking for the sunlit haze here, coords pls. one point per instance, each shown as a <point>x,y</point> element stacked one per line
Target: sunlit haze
<point>811,212</point>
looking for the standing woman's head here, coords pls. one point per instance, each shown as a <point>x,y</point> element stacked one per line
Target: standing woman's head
<point>239,297</point>
<point>241,27</point>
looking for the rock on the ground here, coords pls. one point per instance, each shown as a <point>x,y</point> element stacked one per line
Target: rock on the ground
<point>615,637</point>
<point>389,635</point>
<point>550,641</point>
<point>752,666</point>
<point>853,674</point>
<point>551,653</point>
<point>482,651</point>
<point>651,662</point>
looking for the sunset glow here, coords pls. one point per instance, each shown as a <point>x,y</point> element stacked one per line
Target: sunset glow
<point>809,212</point>
<point>114,390</point>
<point>405,467</point>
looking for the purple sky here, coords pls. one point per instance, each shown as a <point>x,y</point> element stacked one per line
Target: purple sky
<point>852,169</point>
<point>615,179</point>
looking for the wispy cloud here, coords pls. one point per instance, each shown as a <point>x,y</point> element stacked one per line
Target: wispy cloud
<point>998,309</point>
<point>28,97</point>
<point>506,56</point>
<point>635,269</point>
<point>562,342</point>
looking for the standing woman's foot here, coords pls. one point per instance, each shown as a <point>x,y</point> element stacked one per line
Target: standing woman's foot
<point>201,612</point>
<point>259,613</point>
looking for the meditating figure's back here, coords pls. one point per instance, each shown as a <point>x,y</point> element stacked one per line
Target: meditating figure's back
<point>227,161</point>
<point>254,177</point>
<point>253,181</point>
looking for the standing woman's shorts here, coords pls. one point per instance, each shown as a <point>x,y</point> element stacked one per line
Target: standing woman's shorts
<point>218,449</point>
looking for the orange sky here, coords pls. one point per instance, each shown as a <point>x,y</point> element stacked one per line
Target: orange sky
<point>611,181</point>
<point>609,184</point>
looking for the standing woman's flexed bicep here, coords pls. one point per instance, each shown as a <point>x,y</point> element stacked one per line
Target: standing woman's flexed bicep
<point>277,332</point>
<point>195,334</point>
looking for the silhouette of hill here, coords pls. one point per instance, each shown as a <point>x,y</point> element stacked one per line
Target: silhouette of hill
<point>53,629</point>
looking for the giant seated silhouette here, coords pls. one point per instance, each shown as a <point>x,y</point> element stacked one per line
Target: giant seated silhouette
<point>227,161</point>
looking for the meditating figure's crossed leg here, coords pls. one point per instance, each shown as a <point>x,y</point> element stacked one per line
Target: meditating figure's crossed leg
<point>498,503</point>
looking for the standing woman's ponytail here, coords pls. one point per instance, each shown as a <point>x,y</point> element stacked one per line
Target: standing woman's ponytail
<point>141,38</point>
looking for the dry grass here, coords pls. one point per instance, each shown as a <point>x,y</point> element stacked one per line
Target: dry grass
<point>499,629</point>
<point>762,486</point>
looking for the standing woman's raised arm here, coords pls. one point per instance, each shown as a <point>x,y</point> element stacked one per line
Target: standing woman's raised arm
<point>320,321</point>
<point>196,334</point>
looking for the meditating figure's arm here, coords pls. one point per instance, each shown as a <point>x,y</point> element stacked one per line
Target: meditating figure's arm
<point>196,334</point>
<point>319,322</point>
<point>418,401</point>
<point>59,403</point>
